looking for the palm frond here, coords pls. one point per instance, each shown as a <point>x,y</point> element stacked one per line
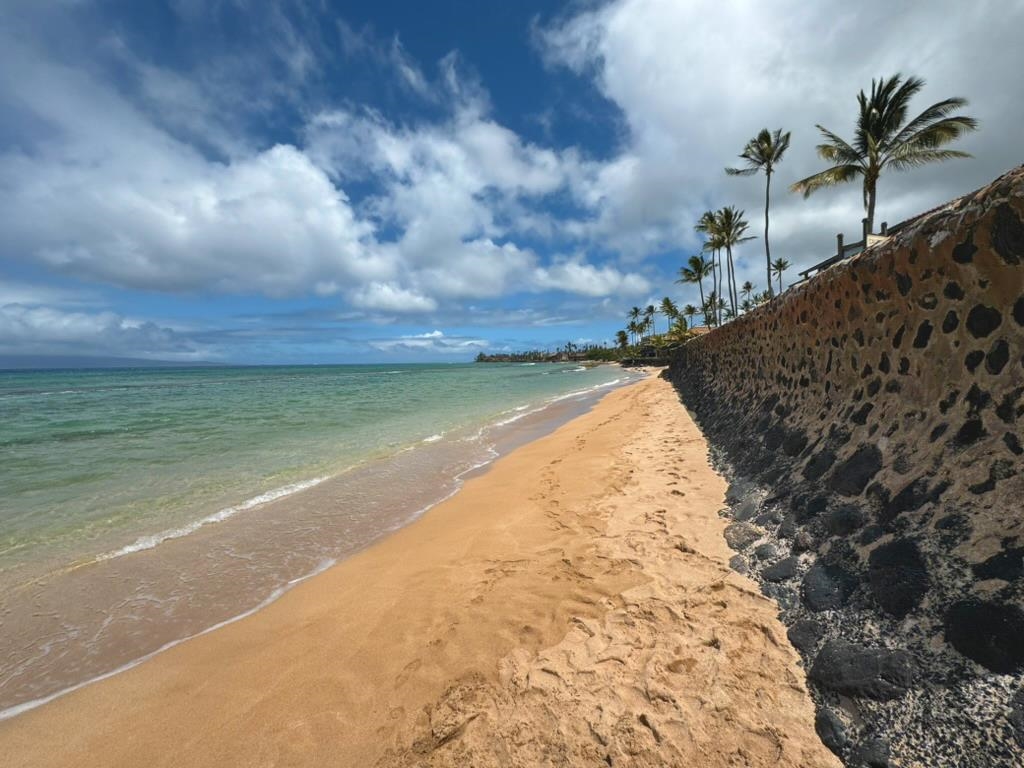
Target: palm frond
<point>936,134</point>
<point>835,149</point>
<point>934,113</point>
<point>830,177</point>
<point>917,158</point>
<point>742,171</point>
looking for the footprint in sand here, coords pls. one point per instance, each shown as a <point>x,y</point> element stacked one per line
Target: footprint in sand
<point>403,677</point>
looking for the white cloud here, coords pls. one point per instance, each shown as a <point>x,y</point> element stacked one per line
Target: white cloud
<point>115,195</point>
<point>695,80</point>
<point>432,342</point>
<point>50,330</point>
<point>575,276</point>
<point>390,298</point>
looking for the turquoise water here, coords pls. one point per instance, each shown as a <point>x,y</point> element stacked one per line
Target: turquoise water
<point>141,507</point>
<point>92,460</point>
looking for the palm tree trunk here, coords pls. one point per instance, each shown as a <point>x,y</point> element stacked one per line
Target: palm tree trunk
<point>767,248</point>
<point>703,304</point>
<point>871,207</point>
<point>721,276</point>
<point>733,296</point>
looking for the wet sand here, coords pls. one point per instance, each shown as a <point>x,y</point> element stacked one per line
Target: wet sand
<point>571,606</point>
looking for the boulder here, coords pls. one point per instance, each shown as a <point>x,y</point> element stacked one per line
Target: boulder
<point>805,634</point>
<point>782,570</point>
<point>827,585</point>
<point>898,576</point>
<point>987,632</point>
<point>831,730</point>
<point>856,670</point>
<point>739,536</point>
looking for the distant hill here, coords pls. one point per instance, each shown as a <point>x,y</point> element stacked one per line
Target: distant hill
<point>35,362</point>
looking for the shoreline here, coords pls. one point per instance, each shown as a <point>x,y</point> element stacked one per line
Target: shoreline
<point>358,660</point>
<point>420,487</point>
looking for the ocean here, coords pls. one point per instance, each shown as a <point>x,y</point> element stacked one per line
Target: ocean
<point>142,507</point>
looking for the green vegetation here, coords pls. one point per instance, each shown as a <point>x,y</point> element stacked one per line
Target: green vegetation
<point>883,139</point>
<point>763,153</point>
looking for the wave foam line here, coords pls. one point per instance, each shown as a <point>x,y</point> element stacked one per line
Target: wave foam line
<point>154,540</point>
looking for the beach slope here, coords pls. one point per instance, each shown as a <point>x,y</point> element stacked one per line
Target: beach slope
<point>571,606</point>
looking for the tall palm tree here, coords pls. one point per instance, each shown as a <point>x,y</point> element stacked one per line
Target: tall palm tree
<point>689,311</point>
<point>707,225</point>
<point>763,153</point>
<point>669,309</point>
<point>883,138</point>
<point>649,312</point>
<point>696,269</point>
<point>633,327</point>
<point>731,231</point>
<point>778,267</point>
<point>622,339</point>
<point>634,320</point>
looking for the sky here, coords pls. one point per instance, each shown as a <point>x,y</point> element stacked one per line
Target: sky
<point>307,181</point>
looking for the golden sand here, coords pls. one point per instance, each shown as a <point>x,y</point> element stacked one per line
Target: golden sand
<point>570,607</point>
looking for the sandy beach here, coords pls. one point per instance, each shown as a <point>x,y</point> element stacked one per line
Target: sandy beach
<point>571,606</point>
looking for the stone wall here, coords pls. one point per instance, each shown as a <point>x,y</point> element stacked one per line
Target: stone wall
<point>872,422</point>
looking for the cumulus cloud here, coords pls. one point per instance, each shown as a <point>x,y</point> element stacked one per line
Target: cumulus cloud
<point>695,80</point>
<point>116,194</point>
<point>431,342</point>
<point>575,276</point>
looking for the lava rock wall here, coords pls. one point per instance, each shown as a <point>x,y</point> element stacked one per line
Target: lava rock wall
<point>871,420</point>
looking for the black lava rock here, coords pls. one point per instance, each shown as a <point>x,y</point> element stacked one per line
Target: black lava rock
<point>850,477</point>
<point>766,551</point>
<point>819,464</point>
<point>831,731</point>
<point>805,634</point>
<point>989,633</point>
<point>898,577</point>
<point>782,570</point>
<point>739,564</point>
<point>855,670</point>
<point>873,752</point>
<point>982,320</point>
<point>1007,565</point>
<point>844,520</point>
<point>827,585</point>
<point>739,536</point>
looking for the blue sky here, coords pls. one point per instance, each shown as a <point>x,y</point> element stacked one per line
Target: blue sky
<point>308,181</point>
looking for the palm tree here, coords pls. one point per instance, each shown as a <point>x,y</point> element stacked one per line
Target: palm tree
<point>696,269</point>
<point>707,225</point>
<point>711,308</point>
<point>730,231</point>
<point>669,309</point>
<point>883,139</point>
<point>622,339</point>
<point>763,153</point>
<point>747,289</point>
<point>689,311</point>
<point>649,312</point>
<point>746,306</point>
<point>633,326</point>
<point>634,320</point>
<point>778,267</point>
